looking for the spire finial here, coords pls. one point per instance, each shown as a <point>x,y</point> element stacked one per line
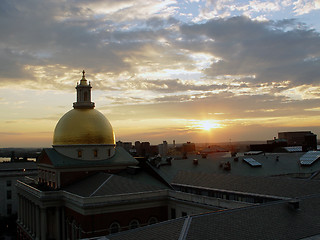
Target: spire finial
<point>83,76</point>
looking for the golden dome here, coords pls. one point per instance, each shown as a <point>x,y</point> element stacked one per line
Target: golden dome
<point>83,126</point>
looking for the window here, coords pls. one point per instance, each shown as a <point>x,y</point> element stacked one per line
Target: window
<point>173,213</point>
<point>79,153</point>
<point>114,227</point>
<point>95,153</point>
<point>9,194</point>
<point>109,152</point>
<point>134,224</point>
<point>85,96</point>
<point>152,220</point>
<point>9,209</point>
<point>8,183</point>
<point>184,214</point>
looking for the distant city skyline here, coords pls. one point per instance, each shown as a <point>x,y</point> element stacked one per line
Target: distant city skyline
<point>199,71</point>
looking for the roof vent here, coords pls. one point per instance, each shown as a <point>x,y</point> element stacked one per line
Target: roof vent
<point>294,204</point>
<point>133,170</point>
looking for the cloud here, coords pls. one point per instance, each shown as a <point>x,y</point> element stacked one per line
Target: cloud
<point>304,6</point>
<point>245,107</point>
<point>9,133</point>
<point>255,9</point>
<point>226,8</point>
<point>155,59</point>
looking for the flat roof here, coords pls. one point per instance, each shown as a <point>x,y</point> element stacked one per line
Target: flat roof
<point>273,164</point>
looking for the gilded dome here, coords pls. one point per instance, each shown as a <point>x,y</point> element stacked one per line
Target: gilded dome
<point>83,126</point>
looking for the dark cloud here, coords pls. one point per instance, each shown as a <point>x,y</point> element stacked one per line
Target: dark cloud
<point>248,47</point>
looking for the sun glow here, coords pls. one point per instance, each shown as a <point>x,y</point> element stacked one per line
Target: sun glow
<point>206,125</point>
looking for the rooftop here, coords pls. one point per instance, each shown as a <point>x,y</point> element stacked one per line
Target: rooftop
<point>273,164</point>
<point>273,186</point>
<point>17,166</point>
<point>103,184</point>
<point>276,220</point>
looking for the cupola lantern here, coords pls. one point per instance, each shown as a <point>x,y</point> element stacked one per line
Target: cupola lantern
<point>83,94</point>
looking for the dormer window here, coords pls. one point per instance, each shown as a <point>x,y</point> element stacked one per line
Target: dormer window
<point>79,153</point>
<point>95,153</point>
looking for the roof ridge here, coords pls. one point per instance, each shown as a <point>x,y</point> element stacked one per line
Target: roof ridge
<point>226,211</point>
<point>95,191</point>
<point>185,228</point>
<point>234,176</point>
<point>166,222</point>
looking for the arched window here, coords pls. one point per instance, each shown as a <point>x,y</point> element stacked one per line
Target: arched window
<point>114,227</point>
<point>152,220</point>
<point>95,153</point>
<point>79,153</point>
<point>134,224</point>
<point>85,96</point>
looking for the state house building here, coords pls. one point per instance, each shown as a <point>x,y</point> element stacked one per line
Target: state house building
<point>88,187</point>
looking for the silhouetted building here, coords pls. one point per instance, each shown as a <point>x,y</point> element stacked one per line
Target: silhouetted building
<point>188,147</point>
<point>298,138</point>
<point>126,145</point>
<point>10,172</point>
<point>310,142</point>
<point>144,149</point>
<point>163,148</point>
<point>271,146</point>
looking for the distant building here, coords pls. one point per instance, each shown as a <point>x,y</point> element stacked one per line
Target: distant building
<point>126,145</point>
<point>271,146</point>
<point>299,138</point>
<point>144,149</point>
<point>310,142</point>
<point>163,149</point>
<point>10,172</point>
<point>188,147</point>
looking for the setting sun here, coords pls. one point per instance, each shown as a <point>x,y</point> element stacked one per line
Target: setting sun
<point>206,125</point>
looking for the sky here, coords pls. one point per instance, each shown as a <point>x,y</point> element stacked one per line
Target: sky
<point>199,71</point>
